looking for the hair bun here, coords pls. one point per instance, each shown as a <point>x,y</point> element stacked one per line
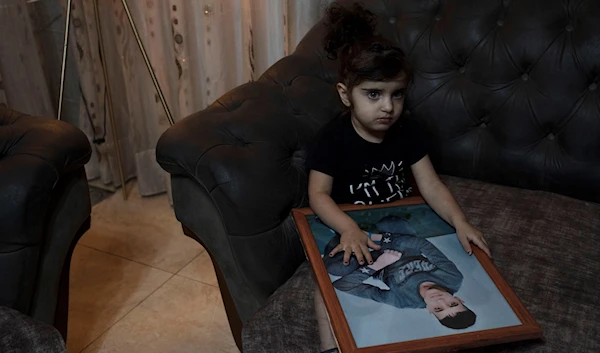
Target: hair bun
<point>346,26</point>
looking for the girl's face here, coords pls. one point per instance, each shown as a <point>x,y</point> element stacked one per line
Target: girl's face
<point>376,106</point>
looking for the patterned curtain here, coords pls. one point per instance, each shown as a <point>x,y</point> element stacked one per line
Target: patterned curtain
<point>199,50</point>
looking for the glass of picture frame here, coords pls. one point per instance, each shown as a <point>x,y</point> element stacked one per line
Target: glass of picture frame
<point>423,293</point>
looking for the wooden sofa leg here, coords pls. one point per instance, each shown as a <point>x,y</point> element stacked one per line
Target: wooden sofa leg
<point>235,323</point>
<point>61,316</point>
<point>234,320</point>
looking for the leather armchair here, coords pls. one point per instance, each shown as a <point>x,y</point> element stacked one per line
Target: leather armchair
<point>509,91</point>
<point>44,210</point>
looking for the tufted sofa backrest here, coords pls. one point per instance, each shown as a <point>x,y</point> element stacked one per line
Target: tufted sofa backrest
<point>508,89</point>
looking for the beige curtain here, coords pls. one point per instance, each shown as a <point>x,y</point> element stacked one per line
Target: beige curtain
<point>199,50</point>
<point>23,84</point>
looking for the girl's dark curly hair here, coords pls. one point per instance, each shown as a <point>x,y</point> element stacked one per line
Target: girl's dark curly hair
<point>364,54</point>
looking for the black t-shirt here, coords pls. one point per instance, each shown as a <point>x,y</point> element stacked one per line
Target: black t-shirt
<point>364,172</point>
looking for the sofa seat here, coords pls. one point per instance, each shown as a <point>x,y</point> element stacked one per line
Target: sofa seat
<point>545,245</point>
<point>20,333</point>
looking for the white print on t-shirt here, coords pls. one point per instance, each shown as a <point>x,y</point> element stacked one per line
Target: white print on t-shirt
<point>388,176</point>
<point>385,170</point>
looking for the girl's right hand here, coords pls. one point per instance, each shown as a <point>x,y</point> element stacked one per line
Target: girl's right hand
<point>355,242</point>
<point>387,258</point>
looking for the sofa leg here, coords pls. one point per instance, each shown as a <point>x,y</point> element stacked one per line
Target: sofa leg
<point>234,320</point>
<point>235,323</point>
<point>61,315</point>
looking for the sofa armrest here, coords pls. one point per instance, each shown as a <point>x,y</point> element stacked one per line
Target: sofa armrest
<point>34,153</point>
<point>248,150</point>
<point>238,168</point>
<point>61,146</point>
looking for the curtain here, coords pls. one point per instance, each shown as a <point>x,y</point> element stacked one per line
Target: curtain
<point>23,84</point>
<point>199,50</point>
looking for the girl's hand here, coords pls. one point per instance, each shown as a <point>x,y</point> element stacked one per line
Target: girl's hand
<point>468,234</point>
<point>358,243</point>
<point>387,258</point>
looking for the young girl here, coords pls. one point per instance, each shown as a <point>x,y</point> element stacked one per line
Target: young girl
<point>361,157</point>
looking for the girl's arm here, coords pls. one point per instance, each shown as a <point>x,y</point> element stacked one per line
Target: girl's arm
<point>437,195</point>
<point>353,239</point>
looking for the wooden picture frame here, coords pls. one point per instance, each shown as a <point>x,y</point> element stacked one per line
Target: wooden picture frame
<point>529,329</point>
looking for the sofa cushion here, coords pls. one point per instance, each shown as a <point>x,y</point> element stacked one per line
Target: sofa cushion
<point>20,333</point>
<point>287,323</point>
<point>544,244</point>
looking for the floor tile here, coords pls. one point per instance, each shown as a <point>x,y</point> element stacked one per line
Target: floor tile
<point>103,288</point>
<point>201,269</point>
<point>219,330</point>
<point>98,195</point>
<point>182,316</point>
<point>143,229</point>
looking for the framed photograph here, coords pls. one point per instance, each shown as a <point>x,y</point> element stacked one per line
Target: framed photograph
<point>423,292</point>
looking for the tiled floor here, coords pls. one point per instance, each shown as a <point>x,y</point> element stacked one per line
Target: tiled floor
<point>139,285</point>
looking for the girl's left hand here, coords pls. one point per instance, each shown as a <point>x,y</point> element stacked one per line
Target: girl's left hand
<point>468,234</point>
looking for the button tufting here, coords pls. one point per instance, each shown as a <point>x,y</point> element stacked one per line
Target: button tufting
<point>298,158</point>
<point>483,125</point>
<point>462,69</point>
<point>550,136</point>
<point>237,140</point>
<point>407,112</point>
<point>569,27</point>
<point>392,20</point>
<point>500,23</point>
<point>525,77</point>
<point>438,17</point>
<point>593,86</point>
